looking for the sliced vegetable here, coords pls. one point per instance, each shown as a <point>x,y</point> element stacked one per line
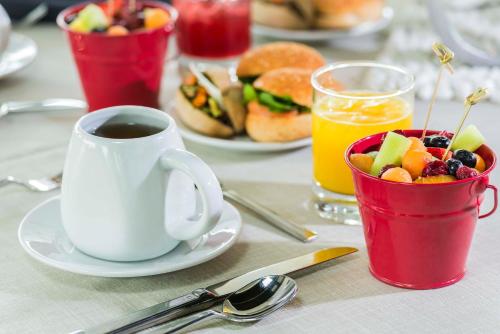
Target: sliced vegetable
<point>201,97</point>
<point>249,93</point>
<point>214,108</point>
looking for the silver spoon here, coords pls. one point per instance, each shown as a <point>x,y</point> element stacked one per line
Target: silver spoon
<point>43,105</point>
<point>250,303</point>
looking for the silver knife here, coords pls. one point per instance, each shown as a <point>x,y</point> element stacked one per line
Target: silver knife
<point>43,105</point>
<point>301,233</point>
<point>209,296</point>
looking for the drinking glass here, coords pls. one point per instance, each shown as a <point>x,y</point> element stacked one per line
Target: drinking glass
<point>213,29</point>
<point>351,101</point>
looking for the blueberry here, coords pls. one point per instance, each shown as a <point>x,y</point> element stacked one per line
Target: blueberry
<point>101,29</point>
<point>427,141</point>
<point>466,157</point>
<point>454,165</point>
<point>436,141</point>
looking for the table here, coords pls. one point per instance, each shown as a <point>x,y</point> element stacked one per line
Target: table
<point>340,297</point>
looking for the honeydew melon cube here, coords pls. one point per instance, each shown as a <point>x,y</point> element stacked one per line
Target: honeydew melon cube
<point>391,152</point>
<point>93,17</point>
<point>79,26</point>
<point>469,139</point>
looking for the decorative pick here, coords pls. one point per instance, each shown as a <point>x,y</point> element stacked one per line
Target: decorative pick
<point>445,56</point>
<point>472,99</point>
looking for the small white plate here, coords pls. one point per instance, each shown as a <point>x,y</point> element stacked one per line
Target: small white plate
<point>20,52</point>
<point>42,235</point>
<point>239,143</point>
<point>326,34</point>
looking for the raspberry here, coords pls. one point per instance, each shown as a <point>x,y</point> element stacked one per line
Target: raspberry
<point>385,168</point>
<point>465,172</point>
<point>436,167</point>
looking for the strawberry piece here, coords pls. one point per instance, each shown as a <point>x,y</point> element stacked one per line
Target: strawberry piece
<point>438,152</point>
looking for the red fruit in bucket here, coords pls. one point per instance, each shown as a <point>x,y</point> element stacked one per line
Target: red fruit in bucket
<point>438,152</point>
<point>436,167</point>
<point>465,172</point>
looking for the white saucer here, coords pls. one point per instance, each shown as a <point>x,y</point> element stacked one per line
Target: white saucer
<point>239,143</point>
<point>20,52</point>
<point>318,35</point>
<point>42,235</point>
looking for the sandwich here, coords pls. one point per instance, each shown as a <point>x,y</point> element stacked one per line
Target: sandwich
<point>279,105</point>
<point>272,56</point>
<point>344,14</point>
<point>203,113</point>
<point>284,14</point>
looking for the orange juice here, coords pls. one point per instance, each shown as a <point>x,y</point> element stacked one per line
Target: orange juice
<point>338,122</point>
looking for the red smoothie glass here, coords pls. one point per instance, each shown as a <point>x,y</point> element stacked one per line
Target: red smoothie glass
<point>120,70</point>
<point>213,29</point>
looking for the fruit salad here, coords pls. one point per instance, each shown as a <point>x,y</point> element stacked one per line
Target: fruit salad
<point>424,160</point>
<point>115,19</point>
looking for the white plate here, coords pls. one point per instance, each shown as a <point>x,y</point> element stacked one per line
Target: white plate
<point>326,35</point>
<point>42,235</point>
<point>238,143</point>
<point>20,52</point>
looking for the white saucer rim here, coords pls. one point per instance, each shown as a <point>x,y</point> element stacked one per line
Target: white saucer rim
<point>77,269</point>
<point>29,60</point>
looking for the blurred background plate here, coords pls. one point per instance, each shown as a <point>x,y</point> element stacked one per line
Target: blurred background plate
<point>326,35</point>
<point>20,52</point>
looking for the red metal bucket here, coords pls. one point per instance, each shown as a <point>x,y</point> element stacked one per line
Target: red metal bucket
<point>120,70</point>
<point>418,235</point>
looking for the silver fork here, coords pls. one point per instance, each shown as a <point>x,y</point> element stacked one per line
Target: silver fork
<point>40,185</point>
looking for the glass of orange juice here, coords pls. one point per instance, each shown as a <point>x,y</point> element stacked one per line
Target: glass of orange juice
<point>351,101</point>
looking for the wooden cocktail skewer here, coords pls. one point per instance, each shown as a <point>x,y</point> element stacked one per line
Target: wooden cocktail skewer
<point>445,56</point>
<point>472,99</point>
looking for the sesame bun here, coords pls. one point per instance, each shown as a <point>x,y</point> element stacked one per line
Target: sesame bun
<point>347,13</point>
<point>292,82</point>
<point>265,126</point>
<point>198,120</point>
<point>282,15</point>
<point>278,55</point>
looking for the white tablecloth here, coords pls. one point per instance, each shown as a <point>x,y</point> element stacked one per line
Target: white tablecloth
<point>340,297</point>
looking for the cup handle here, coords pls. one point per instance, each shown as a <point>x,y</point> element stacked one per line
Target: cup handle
<point>495,203</point>
<point>209,188</point>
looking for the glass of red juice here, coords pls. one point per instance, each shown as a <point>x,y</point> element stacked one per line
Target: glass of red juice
<point>213,29</point>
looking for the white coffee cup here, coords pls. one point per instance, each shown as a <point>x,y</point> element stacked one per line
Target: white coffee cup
<point>4,29</point>
<point>134,199</point>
